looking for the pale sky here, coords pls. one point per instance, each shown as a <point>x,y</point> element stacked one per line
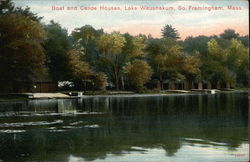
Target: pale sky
<point>188,22</point>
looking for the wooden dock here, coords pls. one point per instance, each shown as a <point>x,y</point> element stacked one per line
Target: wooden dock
<point>47,95</point>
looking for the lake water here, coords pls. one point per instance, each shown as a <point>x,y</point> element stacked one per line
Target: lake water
<point>130,128</point>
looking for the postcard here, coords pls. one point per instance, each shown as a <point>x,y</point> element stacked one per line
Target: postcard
<point>124,80</point>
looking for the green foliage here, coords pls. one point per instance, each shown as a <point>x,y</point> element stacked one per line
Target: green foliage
<point>244,40</point>
<point>168,60</point>
<point>26,12</point>
<point>237,61</point>
<point>81,74</point>
<point>79,70</point>
<point>156,50</point>
<point>169,32</point>
<point>215,51</point>
<point>192,64</point>
<point>229,34</point>
<point>214,68</point>
<point>86,38</point>
<point>21,54</point>
<point>100,80</point>
<point>111,44</point>
<point>6,7</point>
<point>134,46</point>
<point>138,73</point>
<point>228,65</point>
<point>86,33</point>
<point>90,58</point>
<point>192,45</point>
<point>116,50</point>
<point>56,48</point>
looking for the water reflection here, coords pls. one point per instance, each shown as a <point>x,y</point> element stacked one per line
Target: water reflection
<point>111,128</point>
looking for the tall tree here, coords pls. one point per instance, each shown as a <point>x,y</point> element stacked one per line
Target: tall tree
<point>110,46</point>
<point>78,69</point>
<point>116,50</point>
<point>81,74</point>
<point>226,62</point>
<point>56,48</point>
<point>21,53</point>
<point>86,37</point>
<point>169,32</point>
<point>214,65</point>
<point>162,55</point>
<point>237,61</point>
<point>168,60</point>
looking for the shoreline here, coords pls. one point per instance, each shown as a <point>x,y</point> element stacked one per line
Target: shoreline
<point>75,95</point>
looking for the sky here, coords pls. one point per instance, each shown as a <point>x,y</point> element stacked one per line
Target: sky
<point>187,22</point>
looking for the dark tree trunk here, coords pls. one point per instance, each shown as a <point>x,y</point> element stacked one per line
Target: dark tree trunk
<point>116,78</point>
<point>161,82</point>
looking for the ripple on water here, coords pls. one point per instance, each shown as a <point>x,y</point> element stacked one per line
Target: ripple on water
<point>76,123</point>
<point>201,141</point>
<point>68,127</point>
<point>92,126</point>
<point>12,131</point>
<point>22,124</point>
<point>57,130</point>
<point>46,113</point>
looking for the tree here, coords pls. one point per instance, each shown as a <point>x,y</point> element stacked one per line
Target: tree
<point>237,61</point>
<point>110,46</point>
<point>21,53</point>
<point>214,65</point>
<point>229,34</point>
<point>81,74</point>
<point>226,63</point>
<point>165,57</point>
<point>56,48</point>
<point>169,32</point>
<point>6,7</point>
<point>245,40</point>
<point>65,60</point>
<point>170,62</point>
<point>191,67</point>
<point>191,45</point>
<point>79,70</point>
<point>99,80</point>
<point>116,50</point>
<point>86,38</point>
<point>179,66</point>
<point>156,50</point>
<point>26,12</point>
<point>138,73</point>
<point>134,46</point>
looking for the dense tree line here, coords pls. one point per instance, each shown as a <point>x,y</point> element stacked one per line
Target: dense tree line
<point>91,58</point>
